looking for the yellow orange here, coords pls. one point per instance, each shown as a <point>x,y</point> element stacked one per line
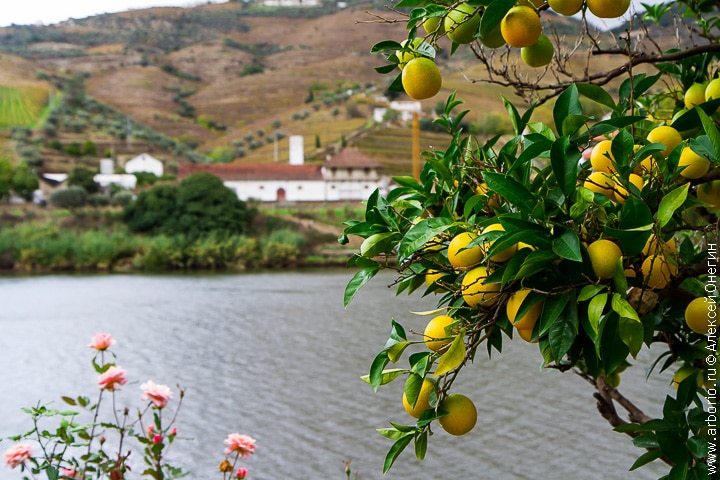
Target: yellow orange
<point>421,78</point>
<point>423,401</point>
<point>527,322</point>
<point>475,292</point>
<point>608,8</point>
<point>521,26</point>
<point>461,416</point>
<point>601,157</point>
<point>698,316</point>
<point>436,333</point>
<point>462,257</point>
<point>600,182</point>
<point>694,165</point>
<point>504,255</point>
<point>658,271</point>
<point>666,135</point>
<point>604,255</point>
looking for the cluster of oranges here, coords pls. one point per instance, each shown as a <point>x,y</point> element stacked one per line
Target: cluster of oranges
<point>519,28</point>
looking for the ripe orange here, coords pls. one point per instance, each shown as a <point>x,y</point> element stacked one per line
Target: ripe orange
<point>657,271</point>
<point>475,292</point>
<point>421,78</point>
<point>462,257</point>
<point>697,315</point>
<point>436,334</point>
<point>566,7</point>
<point>694,95</point>
<point>461,416</point>
<point>423,401</point>
<point>504,255</point>
<point>694,165</point>
<point>604,256</point>
<point>608,8</point>
<point>621,193</point>
<point>710,193</point>
<point>601,157</point>
<point>521,26</point>
<point>527,322</point>
<point>600,182</point>
<point>712,91</point>
<point>666,135</point>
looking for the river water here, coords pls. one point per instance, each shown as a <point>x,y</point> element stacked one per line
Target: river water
<point>275,356</point>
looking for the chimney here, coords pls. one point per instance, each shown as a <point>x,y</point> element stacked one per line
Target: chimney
<point>297,150</point>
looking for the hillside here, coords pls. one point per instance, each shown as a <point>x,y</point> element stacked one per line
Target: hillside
<point>231,81</point>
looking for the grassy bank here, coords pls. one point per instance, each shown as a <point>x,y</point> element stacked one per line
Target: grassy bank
<point>34,239</point>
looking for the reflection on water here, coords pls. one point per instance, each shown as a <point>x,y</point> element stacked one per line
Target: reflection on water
<point>275,356</point>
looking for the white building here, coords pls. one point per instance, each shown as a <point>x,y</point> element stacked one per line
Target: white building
<point>349,176</point>
<point>145,163</point>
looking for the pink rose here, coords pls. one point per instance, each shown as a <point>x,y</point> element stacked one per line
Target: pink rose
<point>67,472</point>
<point>157,394</point>
<point>150,429</point>
<point>241,473</point>
<point>157,439</point>
<point>173,432</point>
<point>112,379</point>
<point>102,341</point>
<point>17,454</point>
<point>243,445</point>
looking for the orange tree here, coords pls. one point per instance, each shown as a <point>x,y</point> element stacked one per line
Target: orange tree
<point>521,236</point>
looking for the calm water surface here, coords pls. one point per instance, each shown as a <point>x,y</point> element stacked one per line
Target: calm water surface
<point>275,356</point>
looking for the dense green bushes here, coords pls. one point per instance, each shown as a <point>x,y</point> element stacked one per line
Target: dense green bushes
<point>199,205</point>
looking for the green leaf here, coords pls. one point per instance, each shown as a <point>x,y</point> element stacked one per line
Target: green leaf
<point>396,351</point>
<point>670,203</point>
<point>568,246</point>
<point>623,308</point>
<point>698,447</point>
<point>568,103</point>
<point>596,307</point>
<point>387,375</point>
<point>711,130</point>
<point>512,190</point>
<point>421,441</point>
<point>646,458</point>
<point>564,158</point>
<point>420,234</point>
<point>454,355</point>
<point>386,45</point>
<point>396,449</point>
<point>412,388</point>
<point>393,433</point>
<point>589,291</point>
<point>378,243</point>
<point>632,334</point>
<point>360,278</point>
<point>377,368</point>
<point>563,331</point>
<point>597,94</point>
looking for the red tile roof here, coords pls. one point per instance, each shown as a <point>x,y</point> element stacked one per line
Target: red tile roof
<point>351,157</point>
<point>254,171</point>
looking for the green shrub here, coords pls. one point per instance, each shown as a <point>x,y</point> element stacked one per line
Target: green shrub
<point>98,200</point>
<point>70,197</point>
<point>121,199</point>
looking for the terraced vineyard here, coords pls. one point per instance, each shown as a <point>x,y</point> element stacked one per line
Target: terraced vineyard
<point>21,106</point>
<point>393,147</point>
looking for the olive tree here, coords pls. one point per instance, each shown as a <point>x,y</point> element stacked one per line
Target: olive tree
<point>521,236</point>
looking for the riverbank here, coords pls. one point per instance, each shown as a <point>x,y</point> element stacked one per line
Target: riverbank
<point>45,240</point>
